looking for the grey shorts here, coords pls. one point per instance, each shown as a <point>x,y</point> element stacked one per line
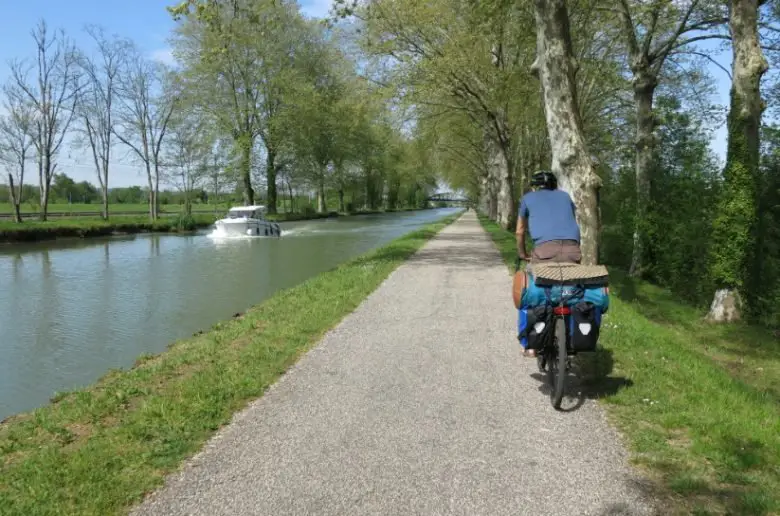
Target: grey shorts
<point>567,251</point>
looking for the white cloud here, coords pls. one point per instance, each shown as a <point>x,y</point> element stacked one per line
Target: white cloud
<point>315,8</point>
<point>164,56</point>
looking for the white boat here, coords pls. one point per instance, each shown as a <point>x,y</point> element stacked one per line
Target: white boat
<point>247,220</point>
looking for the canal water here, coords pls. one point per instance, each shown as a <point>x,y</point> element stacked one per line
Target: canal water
<point>72,310</point>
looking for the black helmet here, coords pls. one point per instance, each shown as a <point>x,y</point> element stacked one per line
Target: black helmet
<point>544,179</point>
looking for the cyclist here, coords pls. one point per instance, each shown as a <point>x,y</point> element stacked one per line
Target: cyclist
<point>549,215</point>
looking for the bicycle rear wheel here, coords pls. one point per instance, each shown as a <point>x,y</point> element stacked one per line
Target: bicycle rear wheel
<point>556,366</point>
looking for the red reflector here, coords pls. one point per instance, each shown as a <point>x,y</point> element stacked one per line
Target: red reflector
<point>565,310</point>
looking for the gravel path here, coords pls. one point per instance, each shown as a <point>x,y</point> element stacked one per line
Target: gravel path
<point>417,403</point>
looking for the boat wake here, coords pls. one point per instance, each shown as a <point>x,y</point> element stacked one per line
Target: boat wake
<point>217,234</point>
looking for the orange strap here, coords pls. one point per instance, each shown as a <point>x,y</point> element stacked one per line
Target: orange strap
<point>519,283</point>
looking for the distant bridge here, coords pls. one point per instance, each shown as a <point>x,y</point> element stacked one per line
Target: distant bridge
<point>448,197</point>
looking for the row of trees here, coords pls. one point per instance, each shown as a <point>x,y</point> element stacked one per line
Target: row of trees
<point>261,99</point>
<point>614,97</point>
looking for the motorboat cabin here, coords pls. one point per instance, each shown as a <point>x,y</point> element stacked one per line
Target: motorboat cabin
<point>248,220</point>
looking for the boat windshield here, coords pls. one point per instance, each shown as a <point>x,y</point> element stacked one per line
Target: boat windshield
<point>241,214</point>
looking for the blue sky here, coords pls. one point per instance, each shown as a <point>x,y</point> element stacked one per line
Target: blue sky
<point>149,25</point>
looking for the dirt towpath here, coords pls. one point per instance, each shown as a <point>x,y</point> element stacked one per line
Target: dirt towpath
<point>417,403</point>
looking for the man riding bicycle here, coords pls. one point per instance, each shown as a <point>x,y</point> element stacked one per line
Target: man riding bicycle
<point>549,215</point>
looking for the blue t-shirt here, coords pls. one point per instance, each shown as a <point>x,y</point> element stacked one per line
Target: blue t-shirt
<point>550,216</point>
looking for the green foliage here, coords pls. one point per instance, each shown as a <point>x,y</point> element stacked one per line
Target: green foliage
<point>284,93</point>
<point>763,292</point>
<point>82,227</point>
<point>733,225</point>
<point>185,222</point>
<point>683,202</point>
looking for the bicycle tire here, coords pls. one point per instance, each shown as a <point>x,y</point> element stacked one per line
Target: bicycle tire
<point>557,368</point>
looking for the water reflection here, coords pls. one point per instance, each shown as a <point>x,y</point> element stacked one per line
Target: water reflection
<point>71,310</point>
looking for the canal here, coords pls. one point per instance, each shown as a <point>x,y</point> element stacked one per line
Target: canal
<point>72,310</point>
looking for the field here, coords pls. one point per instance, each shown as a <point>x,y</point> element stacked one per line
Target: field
<point>6,209</point>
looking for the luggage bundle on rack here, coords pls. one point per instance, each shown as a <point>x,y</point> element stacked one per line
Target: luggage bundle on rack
<point>536,290</point>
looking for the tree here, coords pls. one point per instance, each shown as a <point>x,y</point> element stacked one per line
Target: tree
<point>464,57</point>
<point>324,106</point>
<point>146,106</point>
<point>571,161</point>
<point>239,77</point>
<point>653,31</point>
<point>97,106</point>
<point>16,140</point>
<point>188,155</point>
<point>53,94</point>
<point>734,226</point>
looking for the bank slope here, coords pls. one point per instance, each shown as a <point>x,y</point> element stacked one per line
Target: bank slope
<point>699,405</point>
<point>84,227</point>
<point>98,450</point>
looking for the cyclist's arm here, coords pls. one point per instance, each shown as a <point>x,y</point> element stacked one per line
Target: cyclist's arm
<point>521,228</point>
<point>522,223</point>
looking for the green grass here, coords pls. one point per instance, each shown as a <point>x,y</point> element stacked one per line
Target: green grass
<point>34,230</point>
<point>87,226</point>
<point>32,210</point>
<point>698,404</point>
<point>98,450</point>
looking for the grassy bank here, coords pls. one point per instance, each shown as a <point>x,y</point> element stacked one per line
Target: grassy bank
<point>63,210</point>
<point>98,450</point>
<point>83,227</point>
<point>295,216</point>
<point>31,210</point>
<point>699,405</point>
<point>58,210</point>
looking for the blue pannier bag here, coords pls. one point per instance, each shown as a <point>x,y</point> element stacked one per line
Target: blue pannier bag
<point>537,295</point>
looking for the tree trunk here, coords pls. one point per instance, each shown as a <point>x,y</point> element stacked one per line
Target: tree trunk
<point>246,171</point>
<point>734,226</point>
<point>104,187</point>
<point>644,89</point>
<point>45,204</point>
<point>105,203</point>
<point>270,176</point>
<point>506,209</point>
<point>151,191</point>
<point>44,173</point>
<point>15,199</point>
<point>490,195</point>
<point>156,190</point>
<point>570,159</point>
<point>322,206</point>
<point>341,199</point>
<point>370,192</point>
